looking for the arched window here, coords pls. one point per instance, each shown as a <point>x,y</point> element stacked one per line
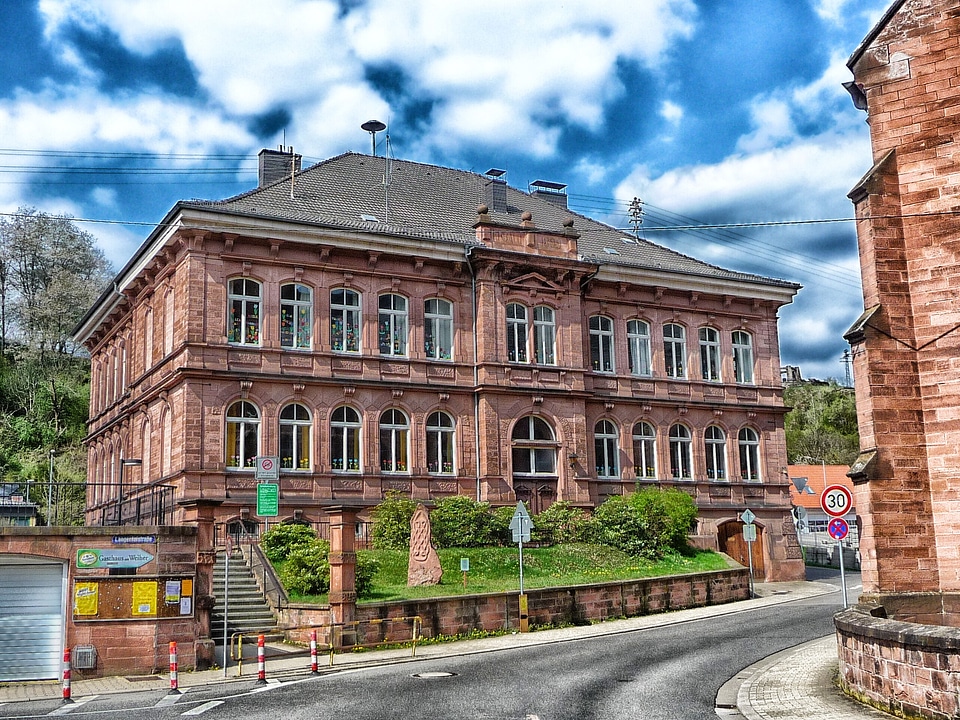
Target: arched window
<point>516,333</point>
<point>638,347</point>
<point>606,443</point>
<point>296,316</point>
<point>345,440</point>
<point>743,357</point>
<point>601,344</point>
<point>243,436</point>
<point>441,433</point>
<point>394,442</point>
<point>681,453</point>
<point>675,350</point>
<point>392,325</point>
<point>534,447</point>
<point>715,445</point>
<point>243,300</point>
<point>345,321</point>
<point>709,354</point>
<point>749,444</point>
<point>295,426</point>
<point>645,451</point>
<point>544,336</point>
<point>438,329</point>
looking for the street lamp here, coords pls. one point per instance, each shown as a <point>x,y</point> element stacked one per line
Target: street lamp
<point>124,462</point>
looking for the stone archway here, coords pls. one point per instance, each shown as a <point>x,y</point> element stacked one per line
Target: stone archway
<point>730,540</point>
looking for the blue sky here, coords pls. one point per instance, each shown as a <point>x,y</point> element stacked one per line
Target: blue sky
<point>711,111</point>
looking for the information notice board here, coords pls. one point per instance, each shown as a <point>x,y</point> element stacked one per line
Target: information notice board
<point>132,598</point>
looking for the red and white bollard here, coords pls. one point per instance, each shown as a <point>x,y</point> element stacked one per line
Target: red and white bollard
<point>174,678</point>
<point>66,675</point>
<point>313,652</point>
<point>261,662</point>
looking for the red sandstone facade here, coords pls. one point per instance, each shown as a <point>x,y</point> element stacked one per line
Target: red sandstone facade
<point>250,327</point>
<point>907,343</point>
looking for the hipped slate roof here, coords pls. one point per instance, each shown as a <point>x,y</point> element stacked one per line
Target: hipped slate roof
<point>440,204</point>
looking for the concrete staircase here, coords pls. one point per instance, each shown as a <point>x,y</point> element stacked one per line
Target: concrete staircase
<point>247,610</point>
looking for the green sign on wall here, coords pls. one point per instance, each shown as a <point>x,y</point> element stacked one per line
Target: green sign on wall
<point>268,499</point>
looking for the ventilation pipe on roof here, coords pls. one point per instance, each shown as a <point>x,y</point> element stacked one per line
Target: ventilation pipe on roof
<point>552,192</point>
<point>277,165</point>
<point>495,190</point>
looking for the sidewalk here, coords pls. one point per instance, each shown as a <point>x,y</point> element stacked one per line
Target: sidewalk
<point>796,683</point>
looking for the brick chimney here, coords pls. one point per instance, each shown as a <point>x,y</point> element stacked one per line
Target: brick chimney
<point>552,192</point>
<point>277,165</point>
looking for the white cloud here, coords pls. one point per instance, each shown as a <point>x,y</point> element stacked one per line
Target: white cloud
<point>773,124</point>
<point>671,112</point>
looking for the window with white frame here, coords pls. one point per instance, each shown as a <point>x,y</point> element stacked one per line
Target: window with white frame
<point>441,433</point>
<point>243,301</point>
<point>345,440</point>
<point>544,336</point>
<point>345,327</point>
<point>715,446</point>
<point>675,350</point>
<point>606,443</point>
<point>709,354</point>
<point>392,325</point>
<point>295,428</point>
<point>438,329</point>
<point>534,450</point>
<point>638,347</point>
<point>749,443</point>
<point>243,436</point>
<point>681,453</point>
<point>601,344</point>
<point>645,451</point>
<point>394,442</point>
<point>743,357</point>
<point>516,333</point>
<point>296,316</point>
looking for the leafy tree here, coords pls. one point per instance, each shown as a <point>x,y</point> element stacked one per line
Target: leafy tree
<point>647,523</point>
<point>52,272</point>
<point>822,424</point>
<point>391,522</point>
<point>281,540</point>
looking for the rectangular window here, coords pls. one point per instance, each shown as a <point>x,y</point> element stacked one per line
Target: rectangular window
<point>601,344</point>
<point>638,347</point>
<point>674,350</point>
<point>296,317</point>
<point>438,329</point>
<point>743,357</point>
<point>345,321</point>
<point>544,336</point>
<point>516,333</point>
<point>710,354</point>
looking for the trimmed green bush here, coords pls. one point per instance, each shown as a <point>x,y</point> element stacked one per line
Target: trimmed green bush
<point>280,540</point>
<point>367,567</point>
<point>306,570</point>
<point>646,523</point>
<point>500,533</point>
<point>461,522</point>
<point>561,523</point>
<point>391,522</point>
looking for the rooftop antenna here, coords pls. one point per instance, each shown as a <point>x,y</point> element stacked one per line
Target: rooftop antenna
<point>373,127</point>
<point>386,180</point>
<point>293,169</point>
<point>636,215</point>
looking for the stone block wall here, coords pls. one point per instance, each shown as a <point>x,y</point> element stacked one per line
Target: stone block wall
<point>903,668</point>
<point>551,606</point>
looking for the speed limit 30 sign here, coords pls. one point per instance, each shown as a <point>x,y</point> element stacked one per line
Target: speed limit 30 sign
<point>836,500</point>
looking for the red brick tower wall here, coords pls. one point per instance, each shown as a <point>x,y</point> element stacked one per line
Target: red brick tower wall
<point>907,367</point>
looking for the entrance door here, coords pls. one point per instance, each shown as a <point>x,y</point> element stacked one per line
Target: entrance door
<point>730,540</point>
<point>31,620</point>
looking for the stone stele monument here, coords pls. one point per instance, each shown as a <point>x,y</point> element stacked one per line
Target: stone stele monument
<point>424,565</point>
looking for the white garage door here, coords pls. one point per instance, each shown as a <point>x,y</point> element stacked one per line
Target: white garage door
<point>31,620</point>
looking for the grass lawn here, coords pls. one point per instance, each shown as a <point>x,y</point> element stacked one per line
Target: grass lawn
<point>498,570</point>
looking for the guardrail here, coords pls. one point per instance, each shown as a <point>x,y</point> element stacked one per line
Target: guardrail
<point>334,632</point>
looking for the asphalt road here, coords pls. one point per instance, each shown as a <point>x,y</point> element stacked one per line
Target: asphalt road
<point>665,672</point>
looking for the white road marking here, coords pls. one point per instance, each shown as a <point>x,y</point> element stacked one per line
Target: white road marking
<point>78,703</point>
<point>170,699</point>
<point>200,709</point>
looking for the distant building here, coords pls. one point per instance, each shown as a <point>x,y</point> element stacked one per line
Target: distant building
<point>807,486</point>
<point>383,326</point>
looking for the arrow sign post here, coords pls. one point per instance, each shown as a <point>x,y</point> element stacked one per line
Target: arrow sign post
<point>749,534</point>
<point>520,525</point>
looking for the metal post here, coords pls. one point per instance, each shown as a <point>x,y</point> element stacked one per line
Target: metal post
<point>226,599</point>
<point>49,490</point>
<point>750,562</point>
<point>843,580</point>
<point>521,566</point>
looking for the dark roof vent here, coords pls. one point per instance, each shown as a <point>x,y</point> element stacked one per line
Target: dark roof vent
<point>553,192</point>
<point>495,190</point>
<point>276,165</point>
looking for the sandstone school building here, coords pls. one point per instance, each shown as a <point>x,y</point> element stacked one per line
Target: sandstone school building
<point>380,325</point>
